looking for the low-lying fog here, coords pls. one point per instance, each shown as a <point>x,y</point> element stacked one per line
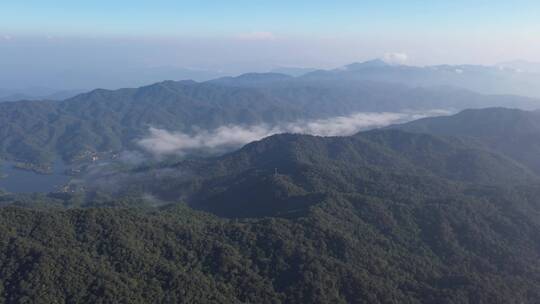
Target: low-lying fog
<point>163,142</point>
<point>172,146</point>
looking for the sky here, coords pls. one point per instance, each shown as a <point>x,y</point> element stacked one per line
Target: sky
<point>75,44</point>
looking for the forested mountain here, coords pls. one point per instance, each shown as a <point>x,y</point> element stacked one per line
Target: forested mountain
<point>233,152</point>
<point>103,121</point>
<point>347,249</point>
<point>286,173</point>
<point>384,216</point>
<point>511,132</point>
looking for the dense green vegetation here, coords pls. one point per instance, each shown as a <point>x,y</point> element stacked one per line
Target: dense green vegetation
<point>383,163</point>
<point>348,248</point>
<point>384,216</point>
<point>511,132</point>
<point>106,122</point>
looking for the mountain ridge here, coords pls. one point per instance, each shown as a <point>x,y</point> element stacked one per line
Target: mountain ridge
<point>511,132</point>
<point>109,121</point>
<point>383,216</point>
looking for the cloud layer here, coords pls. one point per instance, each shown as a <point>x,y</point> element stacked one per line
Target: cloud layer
<point>396,58</point>
<point>162,142</point>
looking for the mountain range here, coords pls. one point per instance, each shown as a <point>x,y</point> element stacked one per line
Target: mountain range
<point>430,211</point>
<point>513,133</point>
<point>501,79</point>
<point>418,152</point>
<point>110,121</point>
<point>515,77</point>
<point>440,209</point>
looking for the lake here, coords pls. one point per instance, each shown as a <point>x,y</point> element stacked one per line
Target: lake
<point>25,181</point>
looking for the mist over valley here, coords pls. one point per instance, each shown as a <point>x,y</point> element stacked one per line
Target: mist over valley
<point>275,152</point>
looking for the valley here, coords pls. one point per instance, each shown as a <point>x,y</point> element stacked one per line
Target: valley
<point>271,189</point>
<point>272,152</point>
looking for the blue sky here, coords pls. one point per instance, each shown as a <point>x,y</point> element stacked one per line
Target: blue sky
<point>232,36</point>
<point>230,17</point>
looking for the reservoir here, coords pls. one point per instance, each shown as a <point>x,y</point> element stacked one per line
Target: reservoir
<point>25,181</point>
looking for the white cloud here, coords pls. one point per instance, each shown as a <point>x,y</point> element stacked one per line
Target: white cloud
<point>396,58</point>
<point>162,142</point>
<point>344,125</point>
<point>257,36</point>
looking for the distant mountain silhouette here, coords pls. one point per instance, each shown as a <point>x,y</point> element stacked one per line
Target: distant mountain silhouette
<point>482,79</point>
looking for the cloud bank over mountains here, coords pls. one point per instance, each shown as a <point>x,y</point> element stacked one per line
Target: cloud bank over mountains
<point>396,58</point>
<point>162,142</point>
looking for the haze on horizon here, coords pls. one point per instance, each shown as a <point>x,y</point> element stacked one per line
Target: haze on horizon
<point>72,45</point>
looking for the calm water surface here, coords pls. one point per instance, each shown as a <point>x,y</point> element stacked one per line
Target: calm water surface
<point>25,181</point>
